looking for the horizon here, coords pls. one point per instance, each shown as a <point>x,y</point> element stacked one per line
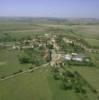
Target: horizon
<point>48,17</point>
<point>52,8</point>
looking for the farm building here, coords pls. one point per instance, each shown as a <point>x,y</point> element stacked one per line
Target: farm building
<point>75,57</point>
<point>79,57</point>
<point>68,57</point>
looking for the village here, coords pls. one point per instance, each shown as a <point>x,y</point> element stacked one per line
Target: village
<point>54,48</point>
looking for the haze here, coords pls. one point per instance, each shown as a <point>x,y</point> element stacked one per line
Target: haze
<point>50,8</point>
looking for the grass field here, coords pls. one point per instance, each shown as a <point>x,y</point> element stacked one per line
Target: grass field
<point>60,94</point>
<point>93,42</point>
<point>29,86</point>
<point>9,62</point>
<point>38,85</point>
<point>90,74</point>
<point>20,29</point>
<point>95,58</point>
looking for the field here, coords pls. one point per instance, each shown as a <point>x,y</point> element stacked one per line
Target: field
<point>40,84</point>
<point>37,85</point>
<point>27,27</point>
<point>90,74</point>
<point>34,86</point>
<point>9,62</point>
<point>93,42</point>
<point>27,86</point>
<point>95,58</point>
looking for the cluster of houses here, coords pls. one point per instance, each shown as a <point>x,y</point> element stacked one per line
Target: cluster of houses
<point>26,44</point>
<point>42,41</point>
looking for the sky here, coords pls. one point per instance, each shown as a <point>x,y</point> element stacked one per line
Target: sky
<point>50,8</point>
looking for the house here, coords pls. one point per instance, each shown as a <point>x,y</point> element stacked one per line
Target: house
<point>78,57</point>
<point>68,57</point>
<point>74,53</point>
<point>67,40</point>
<point>46,35</point>
<point>15,47</point>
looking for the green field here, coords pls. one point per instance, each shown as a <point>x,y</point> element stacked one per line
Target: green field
<point>40,84</point>
<point>9,62</point>
<point>93,42</point>
<point>32,86</point>
<point>37,85</point>
<point>91,75</point>
<point>95,58</point>
<point>20,29</point>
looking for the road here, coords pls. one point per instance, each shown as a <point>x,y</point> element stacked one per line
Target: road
<point>26,71</point>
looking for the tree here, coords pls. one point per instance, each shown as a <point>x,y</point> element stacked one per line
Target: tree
<point>49,46</point>
<point>67,84</point>
<point>56,76</point>
<point>24,58</point>
<point>32,56</point>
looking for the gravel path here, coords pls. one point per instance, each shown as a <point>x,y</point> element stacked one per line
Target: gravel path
<point>26,71</point>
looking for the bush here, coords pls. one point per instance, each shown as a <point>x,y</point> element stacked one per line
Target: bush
<point>3,77</point>
<point>77,89</point>
<point>30,67</point>
<point>67,85</point>
<point>50,46</point>
<point>20,71</point>
<point>83,91</point>
<point>32,56</point>
<point>24,58</point>
<point>56,76</point>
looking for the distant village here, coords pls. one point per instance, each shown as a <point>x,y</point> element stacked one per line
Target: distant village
<point>53,47</point>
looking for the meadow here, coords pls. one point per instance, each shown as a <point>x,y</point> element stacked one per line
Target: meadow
<point>9,62</point>
<point>91,75</point>
<point>40,84</point>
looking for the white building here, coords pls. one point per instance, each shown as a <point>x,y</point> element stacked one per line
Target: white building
<point>68,57</point>
<point>77,59</point>
<point>67,40</point>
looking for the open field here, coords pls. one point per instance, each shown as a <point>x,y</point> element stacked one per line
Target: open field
<point>90,74</point>
<point>9,62</point>
<point>95,58</point>
<point>40,84</point>
<point>27,86</point>
<point>93,42</point>
<point>37,85</point>
<point>24,28</point>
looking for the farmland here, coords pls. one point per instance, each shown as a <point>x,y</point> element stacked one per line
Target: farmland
<point>32,64</point>
<point>91,75</point>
